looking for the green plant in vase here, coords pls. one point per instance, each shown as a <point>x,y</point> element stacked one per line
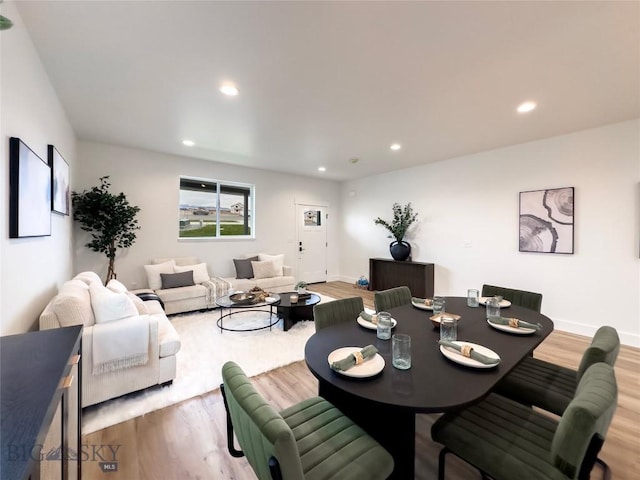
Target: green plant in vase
<point>403,217</point>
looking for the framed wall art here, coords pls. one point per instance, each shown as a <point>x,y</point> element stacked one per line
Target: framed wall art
<point>546,220</point>
<point>29,192</point>
<point>60,191</point>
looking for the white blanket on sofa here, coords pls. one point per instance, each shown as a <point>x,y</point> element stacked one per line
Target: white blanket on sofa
<point>120,344</point>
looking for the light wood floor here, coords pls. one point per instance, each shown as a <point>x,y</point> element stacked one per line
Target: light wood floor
<point>188,440</point>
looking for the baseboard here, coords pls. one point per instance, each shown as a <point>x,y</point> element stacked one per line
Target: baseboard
<point>630,339</point>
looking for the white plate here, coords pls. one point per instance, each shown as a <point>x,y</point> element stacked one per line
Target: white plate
<point>456,356</point>
<point>507,328</point>
<point>368,368</point>
<point>503,303</point>
<point>422,306</point>
<point>371,325</point>
<point>270,299</point>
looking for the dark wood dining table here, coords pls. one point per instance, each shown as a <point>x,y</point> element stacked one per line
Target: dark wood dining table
<point>385,405</point>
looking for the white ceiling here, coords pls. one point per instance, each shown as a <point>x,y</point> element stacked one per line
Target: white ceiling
<point>323,82</point>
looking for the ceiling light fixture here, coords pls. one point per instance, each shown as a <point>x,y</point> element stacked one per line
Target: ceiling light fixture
<point>395,147</point>
<point>188,143</point>
<point>322,169</point>
<point>229,89</point>
<point>526,107</point>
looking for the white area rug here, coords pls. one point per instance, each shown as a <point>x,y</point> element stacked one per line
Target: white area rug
<point>204,350</point>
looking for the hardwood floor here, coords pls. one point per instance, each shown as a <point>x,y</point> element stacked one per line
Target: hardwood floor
<point>188,440</point>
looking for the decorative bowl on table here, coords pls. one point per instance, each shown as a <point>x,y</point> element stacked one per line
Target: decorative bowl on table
<point>242,298</point>
<point>435,319</point>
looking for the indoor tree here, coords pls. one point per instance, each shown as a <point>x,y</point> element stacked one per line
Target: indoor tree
<point>109,218</point>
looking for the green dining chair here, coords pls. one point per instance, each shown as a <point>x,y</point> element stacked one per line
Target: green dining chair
<point>311,440</point>
<point>530,300</point>
<point>505,439</point>
<point>337,311</point>
<point>393,297</point>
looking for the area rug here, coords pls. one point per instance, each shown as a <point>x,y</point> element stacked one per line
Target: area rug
<point>203,352</point>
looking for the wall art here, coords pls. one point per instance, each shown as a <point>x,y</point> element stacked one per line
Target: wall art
<point>546,220</point>
<point>29,192</point>
<point>60,190</point>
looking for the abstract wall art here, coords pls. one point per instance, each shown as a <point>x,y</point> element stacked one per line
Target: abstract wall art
<point>546,220</point>
<point>60,192</point>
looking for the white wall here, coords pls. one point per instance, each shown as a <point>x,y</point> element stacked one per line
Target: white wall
<point>473,200</point>
<point>151,181</point>
<point>32,268</point>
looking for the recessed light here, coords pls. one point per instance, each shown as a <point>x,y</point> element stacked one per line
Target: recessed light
<point>188,143</point>
<point>322,169</point>
<point>229,89</point>
<point>396,146</point>
<point>526,107</point>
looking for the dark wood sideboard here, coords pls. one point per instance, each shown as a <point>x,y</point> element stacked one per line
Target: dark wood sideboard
<point>39,400</point>
<point>386,273</point>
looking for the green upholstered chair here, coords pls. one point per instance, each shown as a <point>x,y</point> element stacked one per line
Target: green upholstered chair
<point>507,440</point>
<point>522,298</point>
<point>337,311</point>
<point>393,297</point>
<point>312,440</point>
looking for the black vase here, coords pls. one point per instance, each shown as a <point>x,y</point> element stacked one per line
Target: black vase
<point>400,251</point>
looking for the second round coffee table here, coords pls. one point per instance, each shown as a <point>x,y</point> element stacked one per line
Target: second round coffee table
<point>293,312</point>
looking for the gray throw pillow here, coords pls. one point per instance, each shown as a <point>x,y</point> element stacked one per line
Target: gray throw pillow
<point>243,267</point>
<point>175,280</point>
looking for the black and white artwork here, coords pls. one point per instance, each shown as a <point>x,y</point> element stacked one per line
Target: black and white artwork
<point>60,192</point>
<point>29,192</point>
<point>312,218</point>
<point>546,220</point>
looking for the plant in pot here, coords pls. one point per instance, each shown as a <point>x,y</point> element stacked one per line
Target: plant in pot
<point>109,218</point>
<point>403,217</point>
<point>301,287</point>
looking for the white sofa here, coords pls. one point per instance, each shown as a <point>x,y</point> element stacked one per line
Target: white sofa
<point>72,306</point>
<point>282,281</point>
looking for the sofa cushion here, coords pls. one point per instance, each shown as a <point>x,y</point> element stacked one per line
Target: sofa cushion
<point>116,286</point>
<point>88,277</point>
<point>273,283</point>
<point>167,337</point>
<point>180,261</point>
<point>243,267</point>
<point>109,306</point>
<point>72,305</point>
<point>176,280</point>
<point>181,293</point>
<point>140,304</point>
<point>153,273</point>
<point>200,272</point>
<point>277,259</point>
<point>266,269</point>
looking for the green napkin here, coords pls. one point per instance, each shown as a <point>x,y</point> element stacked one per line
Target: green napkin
<point>475,355</point>
<point>349,361</point>
<point>418,300</point>
<point>521,323</point>
<point>367,316</point>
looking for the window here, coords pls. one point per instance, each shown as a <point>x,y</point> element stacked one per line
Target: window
<point>213,209</point>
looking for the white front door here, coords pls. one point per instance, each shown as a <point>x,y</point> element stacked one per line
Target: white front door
<point>311,222</point>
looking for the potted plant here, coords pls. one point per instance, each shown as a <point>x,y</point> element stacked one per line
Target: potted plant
<point>403,217</point>
<point>301,287</point>
<point>109,218</point>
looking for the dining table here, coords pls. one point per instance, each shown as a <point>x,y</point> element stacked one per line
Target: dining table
<point>385,403</point>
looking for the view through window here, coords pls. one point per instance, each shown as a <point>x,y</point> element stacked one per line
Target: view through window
<point>213,209</point>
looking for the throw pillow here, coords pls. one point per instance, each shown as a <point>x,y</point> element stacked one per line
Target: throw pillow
<point>116,286</point>
<point>139,303</point>
<point>243,267</point>
<point>72,305</point>
<point>200,273</point>
<point>109,306</point>
<point>88,277</point>
<point>264,270</point>
<point>154,271</point>
<point>278,260</point>
<point>176,280</point>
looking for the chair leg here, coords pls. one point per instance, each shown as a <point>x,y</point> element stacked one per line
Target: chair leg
<point>274,469</point>
<point>441,462</point>
<point>230,446</point>
<point>606,471</point>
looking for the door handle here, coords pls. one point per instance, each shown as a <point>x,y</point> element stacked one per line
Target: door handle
<point>300,249</point>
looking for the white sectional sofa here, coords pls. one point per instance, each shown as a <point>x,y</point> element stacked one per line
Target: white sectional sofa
<point>73,306</point>
<point>277,280</point>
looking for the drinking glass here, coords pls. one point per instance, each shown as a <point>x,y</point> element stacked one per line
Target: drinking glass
<point>401,351</point>
<point>448,328</point>
<point>493,307</point>
<point>383,329</point>
<point>438,305</point>
<point>472,298</point>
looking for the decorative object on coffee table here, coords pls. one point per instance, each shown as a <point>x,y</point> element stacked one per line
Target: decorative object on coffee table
<point>403,217</point>
<point>301,287</point>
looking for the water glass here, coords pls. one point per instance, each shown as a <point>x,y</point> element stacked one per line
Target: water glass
<point>473,298</point>
<point>401,351</point>
<point>493,307</point>
<point>448,328</point>
<point>383,329</point>
<point>438,305</point>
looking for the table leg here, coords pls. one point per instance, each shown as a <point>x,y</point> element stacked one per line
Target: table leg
<point>394,428</point>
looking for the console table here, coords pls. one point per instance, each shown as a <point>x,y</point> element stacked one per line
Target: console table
<point>386,273</point>
<point>38,389</point>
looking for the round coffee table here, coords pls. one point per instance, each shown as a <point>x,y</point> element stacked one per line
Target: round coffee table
<point>293,312</point>
<point>236,308</point>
